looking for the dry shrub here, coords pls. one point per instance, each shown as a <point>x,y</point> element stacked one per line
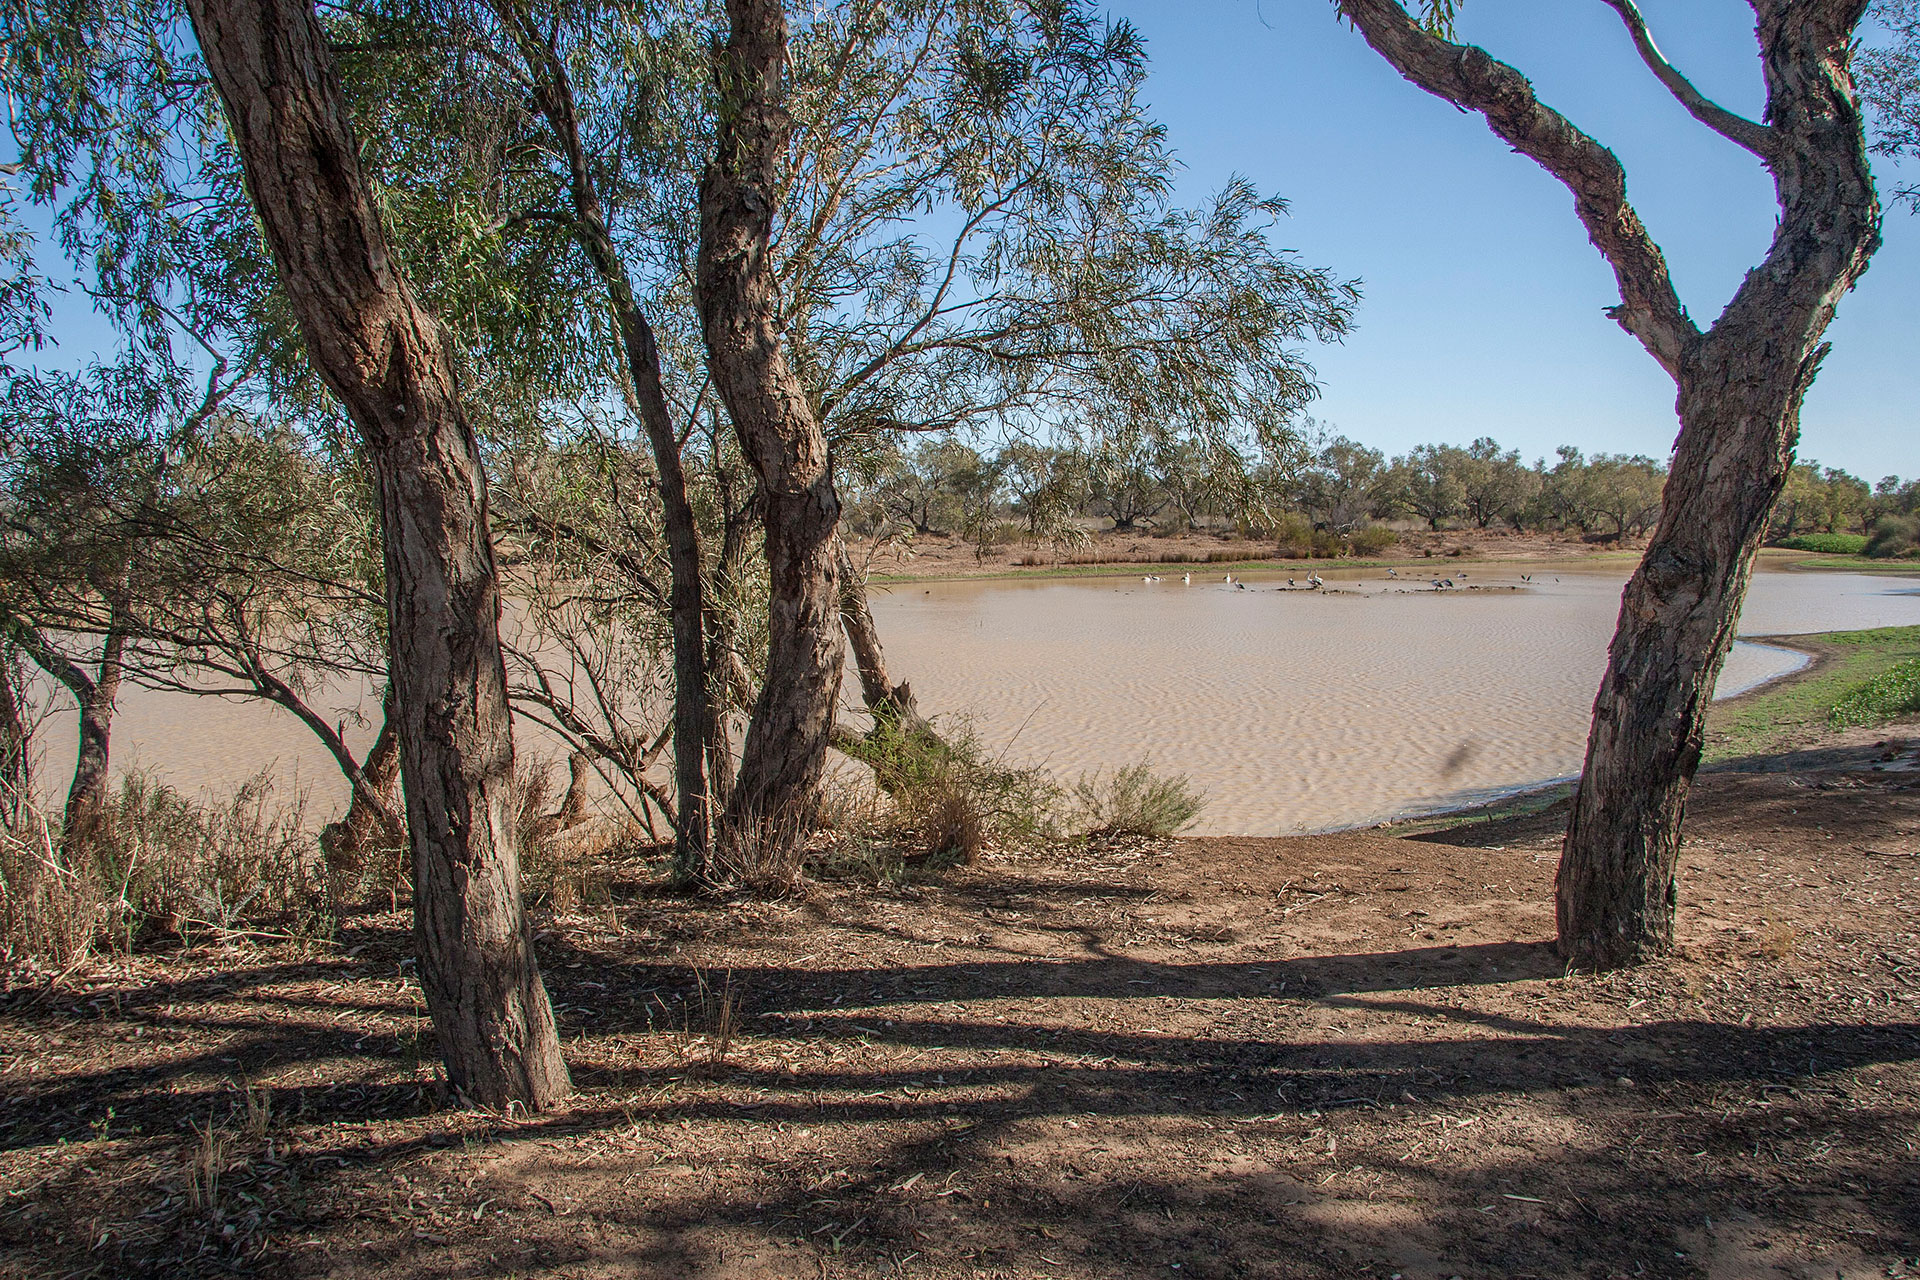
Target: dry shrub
<point>763,853</point>
<point>159,863</point>
<point>568,856</point>
<point>48,910</point>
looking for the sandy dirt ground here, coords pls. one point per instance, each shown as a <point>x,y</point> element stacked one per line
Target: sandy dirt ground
<point>1351,1055</point>
<point>938,557</point>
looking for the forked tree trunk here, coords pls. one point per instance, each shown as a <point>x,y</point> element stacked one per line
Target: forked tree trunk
<point>1740,388</point>
<point>87,796</point>
<point>94,693</point>
<point>793,717</point>
<point>387,360</point>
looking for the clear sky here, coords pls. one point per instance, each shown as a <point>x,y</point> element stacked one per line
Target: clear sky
<point>1483,303</point>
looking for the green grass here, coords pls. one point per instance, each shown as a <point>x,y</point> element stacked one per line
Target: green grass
<point>1868,676</point>
<point>1827,544</point>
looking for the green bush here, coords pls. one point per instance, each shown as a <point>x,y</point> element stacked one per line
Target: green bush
<point>1894,537</point>
<point>1372,540</point>
<point>947,800</point>
<point>1895,692</point>
<point>1135,801</point>
<point>1293,536</point>
<point>1827,544</point>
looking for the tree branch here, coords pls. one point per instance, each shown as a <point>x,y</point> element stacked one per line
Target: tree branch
<point>1473,80</point>
<point>1735,128</point>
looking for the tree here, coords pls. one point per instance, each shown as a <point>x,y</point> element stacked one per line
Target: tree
<point>388,361</point>
<point>1494,486</point>
<point>1343,485</point>
<point>1740,384</point>
<point>1428,482</point>
<point>779,429</point>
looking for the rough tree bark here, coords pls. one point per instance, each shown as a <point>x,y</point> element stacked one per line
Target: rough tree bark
<point>793,717</point>
<point>371,823</point>
<point>692,703</point>
<point>1740,387</point>
<point>387,360</point>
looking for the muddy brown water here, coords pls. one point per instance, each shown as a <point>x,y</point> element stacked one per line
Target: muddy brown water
<point>1294,710</point>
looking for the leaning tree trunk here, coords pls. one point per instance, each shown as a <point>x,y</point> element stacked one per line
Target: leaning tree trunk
<point>891,705</point>
<point>387,360</point>
<point>87,796</point>
<point>793,717</point>
<point>94,695</point>
<point>1740,387</point>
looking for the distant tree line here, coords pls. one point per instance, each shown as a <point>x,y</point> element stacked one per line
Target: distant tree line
<point>1322,494</point>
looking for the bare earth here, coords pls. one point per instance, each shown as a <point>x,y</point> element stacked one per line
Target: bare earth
<point>1351,1055</point>
<point>933,556</point>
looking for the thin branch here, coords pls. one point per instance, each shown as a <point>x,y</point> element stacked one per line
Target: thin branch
<point>1735,128</point>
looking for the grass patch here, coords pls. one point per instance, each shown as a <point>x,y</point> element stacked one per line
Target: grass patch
<point>1856,674</point>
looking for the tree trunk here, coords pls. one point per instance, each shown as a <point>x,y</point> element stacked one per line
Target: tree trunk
<point>368,828</point>
<point>1740,387</point>
<point>16,743</point>
<point>387,360</point>
<point>793,717</point>
<point>87,795</point>
<point>692,705</point>
<point>891,705</point>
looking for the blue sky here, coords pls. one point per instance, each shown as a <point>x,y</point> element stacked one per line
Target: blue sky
<point>1483,300</point>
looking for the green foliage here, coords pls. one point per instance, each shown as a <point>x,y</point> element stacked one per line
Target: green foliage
<point>1828,544</point>
<point>948,798</point>
<point>1888,69</point>
<point>1892,693</point>
<point>1893,537</point>
<point>1135,801</point>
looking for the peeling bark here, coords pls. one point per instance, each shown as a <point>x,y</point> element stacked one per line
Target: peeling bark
<point>387,360</point>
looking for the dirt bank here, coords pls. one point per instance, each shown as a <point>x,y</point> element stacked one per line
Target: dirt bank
<point>1334,1056</point>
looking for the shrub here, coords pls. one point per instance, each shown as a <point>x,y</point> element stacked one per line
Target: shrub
<point>1893,537</point>
<point>160,864</point>
<point>1826,544</point>
<point>1135,801</point>
<point>1895,692</point>
<point>946,802</point>
<point>1293,536</point>
<point>1372,540</point>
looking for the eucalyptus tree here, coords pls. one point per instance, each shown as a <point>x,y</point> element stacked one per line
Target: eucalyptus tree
<point>1428,482</point>
<point>1343,484</point>
<point>388,361</point>
<point>973,229</point>
<point>1494,486</point>
<point>1740,383</point>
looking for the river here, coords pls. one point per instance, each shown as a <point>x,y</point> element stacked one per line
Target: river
<point>1294,710</point>
<point>1305,710</point>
